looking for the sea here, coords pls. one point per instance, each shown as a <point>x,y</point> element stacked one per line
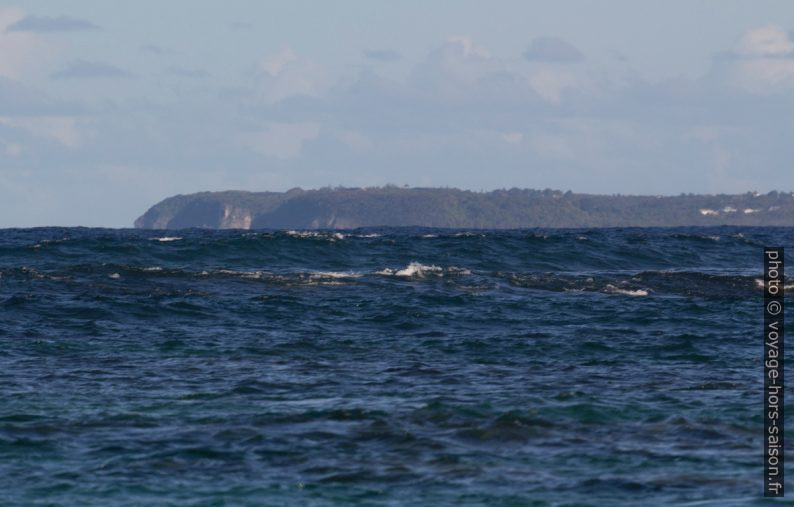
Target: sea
<point>396,366</point>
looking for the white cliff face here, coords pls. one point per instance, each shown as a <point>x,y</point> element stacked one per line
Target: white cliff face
<point>235,218</point>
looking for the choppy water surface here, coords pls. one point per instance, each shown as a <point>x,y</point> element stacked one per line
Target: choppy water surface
<point>382,367</point>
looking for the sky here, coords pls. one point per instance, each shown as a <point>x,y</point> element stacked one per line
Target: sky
<point>108,107</point>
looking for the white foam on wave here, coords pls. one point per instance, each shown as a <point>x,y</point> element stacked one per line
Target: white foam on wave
<point>412,269</point>
<point>759,284</point>
<point>303,234</point>
<point>251,275</point>
<point>299,277</point>
<point>47,241</point>
<point>166,238</point>
<point>114,276</point>
<point>153,268</point>
<point>334,274</point>
<point>417,269</point>
<point>626,292</point>
<point>315,234</point>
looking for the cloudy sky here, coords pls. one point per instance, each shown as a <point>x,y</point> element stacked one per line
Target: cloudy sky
<point>108,107</point>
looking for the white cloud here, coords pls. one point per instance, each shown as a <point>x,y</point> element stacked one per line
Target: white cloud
<point>769,40</point>
<point>554,50</point>
<point>460,72</point>
<point>19,51</point>
<point>457,60</point>
<point>275,64</point>
<point>285,75</point>
<point>765,75</point>
<point>467,48</point>
<point>551,84</point>
<point>762,62</point>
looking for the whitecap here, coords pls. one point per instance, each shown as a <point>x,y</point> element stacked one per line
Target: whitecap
<point>242,274</point>
<point>314,234</point>
<point>304,234</point>
<point>417,269</point>
<point>114,276</point>
<point>626,292</point>
<point>166,238</point>
<point>301,234</point>
<point>412,269</point>
<point>333,274</point>
<point>759,284</point>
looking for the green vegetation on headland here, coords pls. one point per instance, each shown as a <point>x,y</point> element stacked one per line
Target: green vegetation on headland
<point>345,208</point>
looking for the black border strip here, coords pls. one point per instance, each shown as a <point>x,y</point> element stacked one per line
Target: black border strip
<point>774,281</point>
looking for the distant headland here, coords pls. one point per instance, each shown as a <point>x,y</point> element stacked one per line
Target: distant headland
<point>347,208</point>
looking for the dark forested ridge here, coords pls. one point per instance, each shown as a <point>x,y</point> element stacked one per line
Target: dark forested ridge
<point>344,208</point>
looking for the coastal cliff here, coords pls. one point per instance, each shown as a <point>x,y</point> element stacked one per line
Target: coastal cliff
<point>345,208</point>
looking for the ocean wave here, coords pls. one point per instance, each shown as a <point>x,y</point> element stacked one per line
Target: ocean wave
<point>419,270</point>
<point>332,236</point>
<point>412,269</point>
<point>626,292</point>
<point>335,274</point>
<point>759,283</point>
<point>645,283</point>
<point>629,283</point>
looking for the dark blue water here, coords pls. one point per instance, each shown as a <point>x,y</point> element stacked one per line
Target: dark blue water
<point>382,367</point>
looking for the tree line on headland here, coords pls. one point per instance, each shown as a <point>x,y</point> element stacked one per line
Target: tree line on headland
<point>346,208</point>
